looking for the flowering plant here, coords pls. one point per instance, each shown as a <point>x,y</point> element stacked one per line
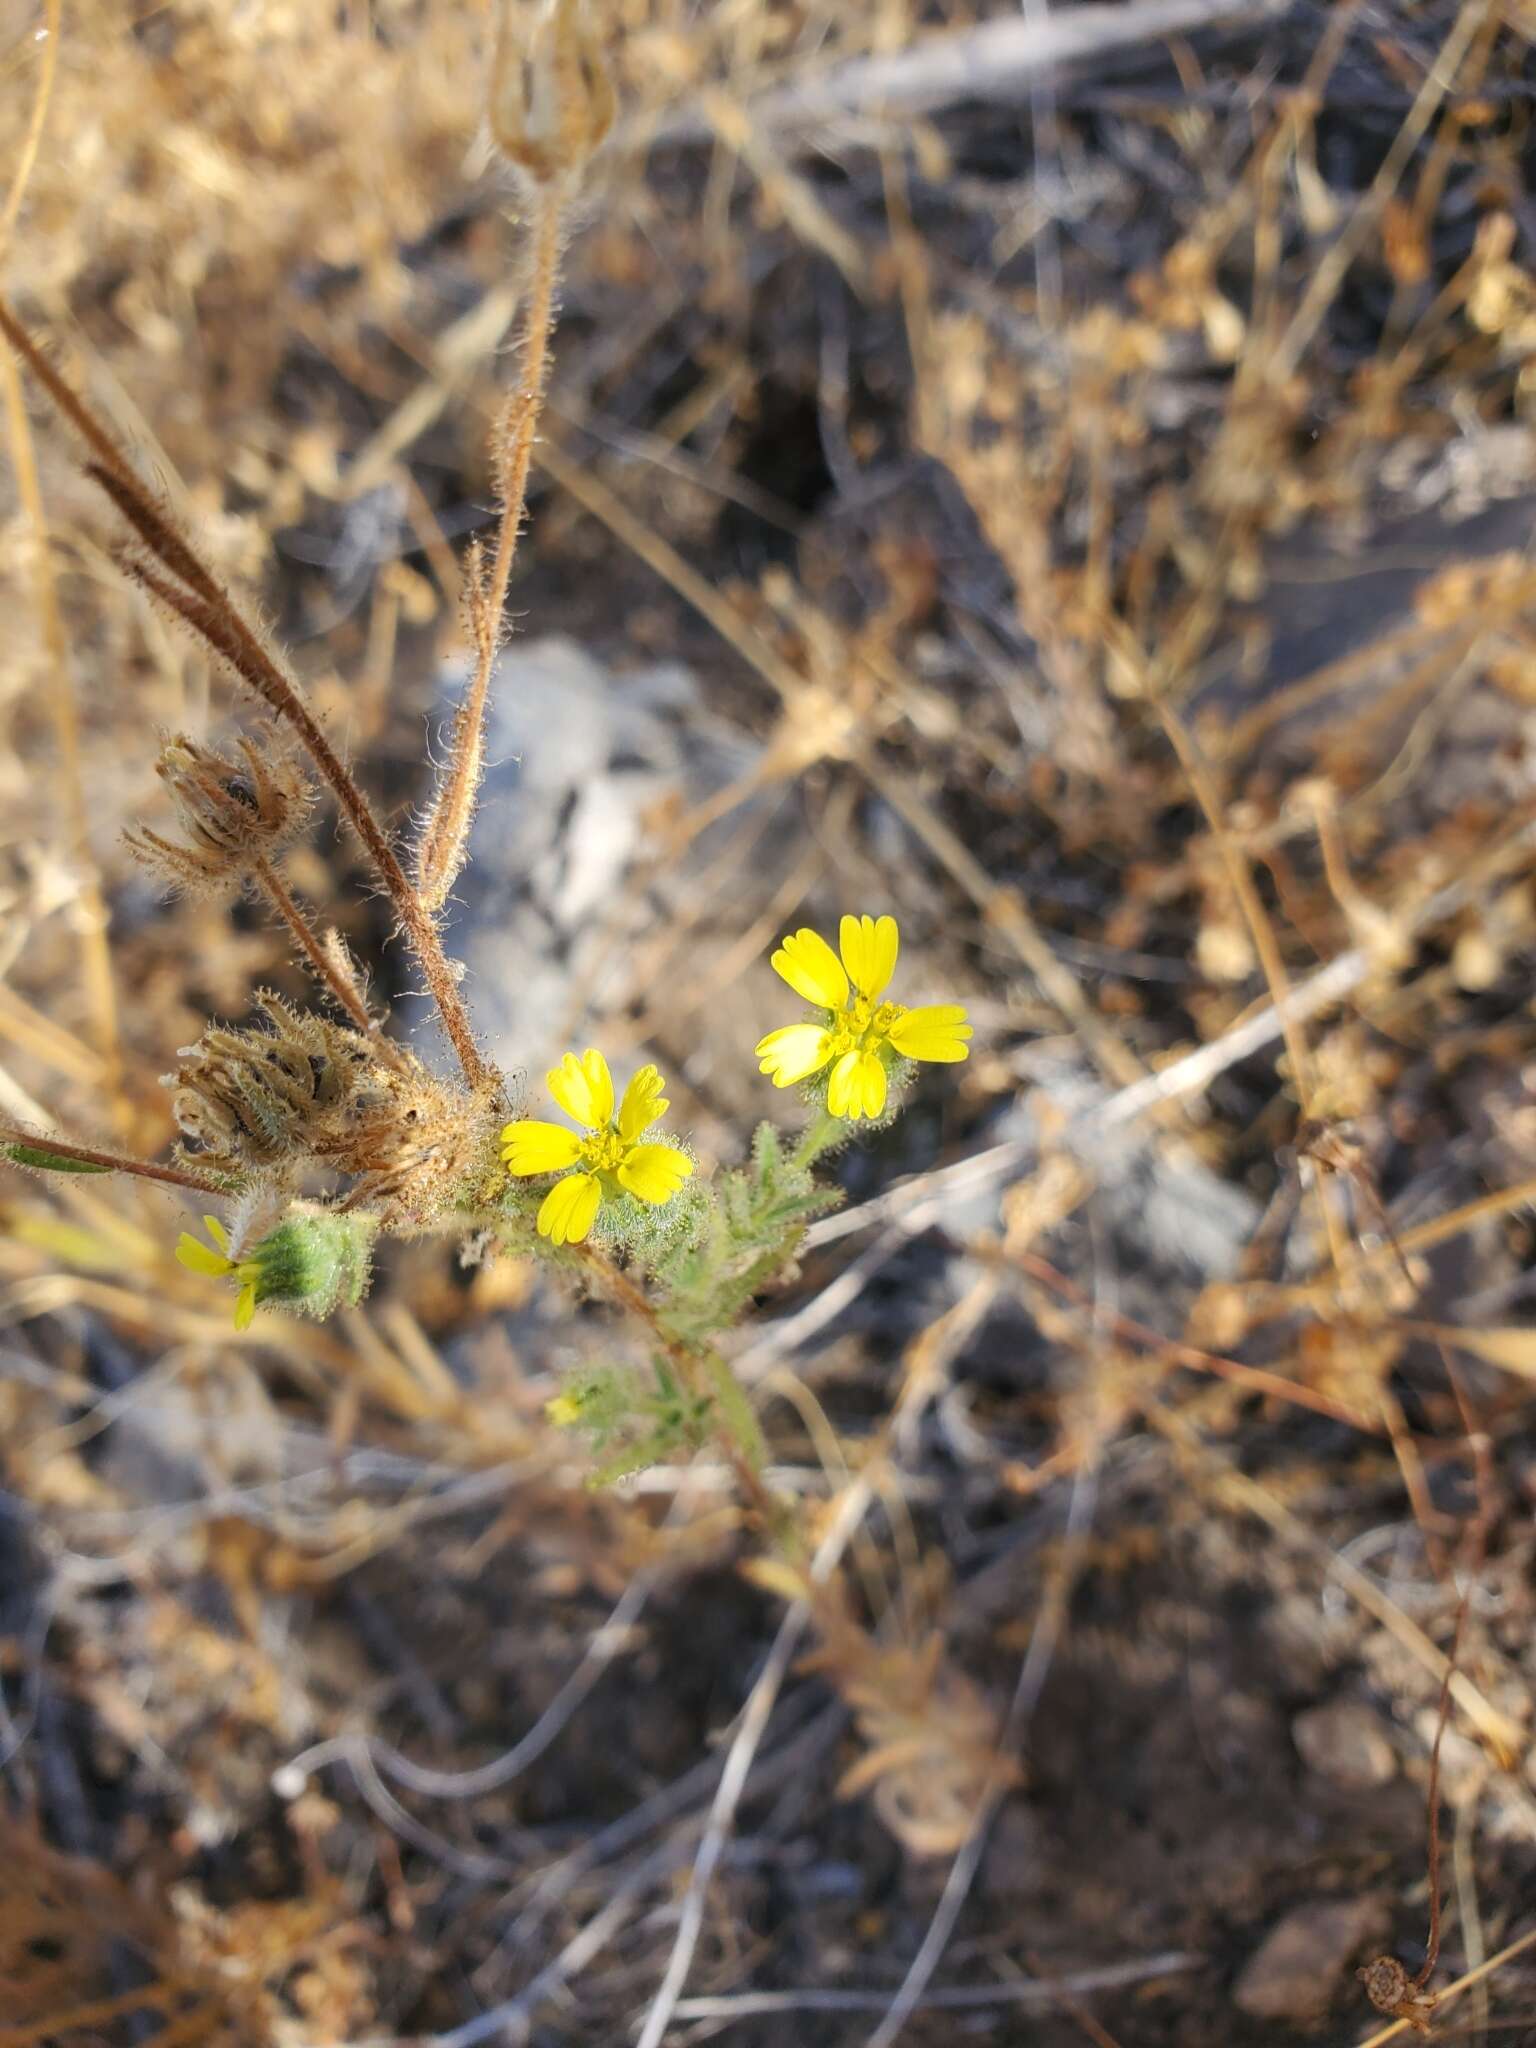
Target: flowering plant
<point>304,1095</point>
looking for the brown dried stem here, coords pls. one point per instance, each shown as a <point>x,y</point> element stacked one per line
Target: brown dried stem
<point>445,829</point>
<point>196,597</point>
<point>1476,1544</point>
<point>309,943</point>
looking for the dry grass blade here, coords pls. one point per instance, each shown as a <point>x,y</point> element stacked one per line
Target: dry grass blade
<point>993,59</point>
<point>99,976</point>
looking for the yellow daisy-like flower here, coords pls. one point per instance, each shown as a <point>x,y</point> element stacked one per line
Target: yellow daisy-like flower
<point>606,1154</point>
<point>215,1260</point>
<point>858,1034</point>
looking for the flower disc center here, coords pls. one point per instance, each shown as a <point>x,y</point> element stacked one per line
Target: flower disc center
<point>862,1025</point>
<point>603,1151</point>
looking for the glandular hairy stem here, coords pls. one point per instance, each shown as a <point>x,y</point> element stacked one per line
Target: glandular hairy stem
<point>18,1145</point>
<point>310,945</point>
<point>444,836</point>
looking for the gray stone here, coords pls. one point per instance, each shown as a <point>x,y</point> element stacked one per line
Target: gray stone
<point>1296,1971</point>
<point>1346,1742</point>
<point>579,762</point>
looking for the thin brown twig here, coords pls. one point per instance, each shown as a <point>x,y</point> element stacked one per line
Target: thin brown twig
<point>1260,927</point>
<point>1499,1730</point>
<point>1253,1379</point>
<point>1432,1798</point>
<point>1071,2003</point>
<point>1330,272</point>
<point>1476,1549</point>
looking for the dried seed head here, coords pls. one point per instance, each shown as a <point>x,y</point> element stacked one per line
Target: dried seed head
<point>235,809</point>
<point>551,99</point>
<point>421,1146</point>
<point>305,1092</point>
<point>255,1100</point>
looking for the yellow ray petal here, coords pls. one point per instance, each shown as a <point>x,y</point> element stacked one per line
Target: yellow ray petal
<point>869,946</point>
<point>216,1231</point>
<point>937,1032</point>
<point>570,1208</point>
<point>857,1086</point>
<point>245,1307</point>
<point>529,1146</point>
<point>654,1172</point>
<point>643,1103</point>
<point>789,1055</point>
<point>583,1087</point>
<point>812,969</point>
<point>198,1257</point>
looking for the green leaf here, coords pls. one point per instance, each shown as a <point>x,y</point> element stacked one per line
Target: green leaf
<point>44,1161</point>
<point>736,1410</point>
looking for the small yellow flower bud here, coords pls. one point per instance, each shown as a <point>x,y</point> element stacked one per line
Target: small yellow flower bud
<point>551,99</point>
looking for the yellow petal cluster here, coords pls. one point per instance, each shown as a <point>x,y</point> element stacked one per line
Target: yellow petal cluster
<point>605,1156</point>
<point>857,1033</point>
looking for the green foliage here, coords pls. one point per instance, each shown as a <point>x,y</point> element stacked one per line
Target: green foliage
<point>746,1239</point>
<point>708,1252</point>
<point>638,1425</point>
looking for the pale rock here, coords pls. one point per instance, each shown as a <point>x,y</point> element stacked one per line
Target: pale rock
<point>1300,1965</point>
<point>1346,1742</point>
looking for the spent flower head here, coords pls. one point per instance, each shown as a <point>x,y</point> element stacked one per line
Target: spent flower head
<point>254,1099</point>
<point>607,1157</point>
<point>856,1038</point>
<point>551,99</point>
<point>235,809</point>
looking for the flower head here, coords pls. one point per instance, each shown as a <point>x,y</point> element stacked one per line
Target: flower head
<point>312,1261</point>
<point>856,1036</point>
<point>605,1157</point>
<point>215,1259</point>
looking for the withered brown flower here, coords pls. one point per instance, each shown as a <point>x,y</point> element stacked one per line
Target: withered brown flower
<point>236,809</point>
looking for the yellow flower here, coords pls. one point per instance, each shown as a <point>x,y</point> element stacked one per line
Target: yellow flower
<point>199,1258</point>
<point>858,1035</point>
<point>606,1154</point>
